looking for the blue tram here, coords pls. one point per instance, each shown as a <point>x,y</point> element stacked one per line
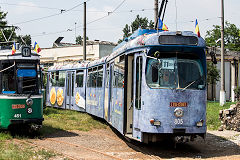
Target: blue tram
<point>152,85</point>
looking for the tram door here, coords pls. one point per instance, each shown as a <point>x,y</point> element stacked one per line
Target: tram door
<point>108,93</point>
<point>137,93</point>
<point>70,90</point>
<point>129,95</point>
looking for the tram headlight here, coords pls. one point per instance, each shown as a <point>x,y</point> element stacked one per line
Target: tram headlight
<point>155,122</point>
<point>200,123</point>
<point>29,102</point>
<point>178,112</point>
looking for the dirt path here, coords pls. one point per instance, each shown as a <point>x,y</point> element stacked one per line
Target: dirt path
<point>105,144</point>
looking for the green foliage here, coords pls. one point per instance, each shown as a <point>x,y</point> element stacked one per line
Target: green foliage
<point>231,36</point>
<point>27,39</point>
<point>213,122</point>
<point>237,93</point>
<point>213,74</point>
<point>11,31</point>
<point>79,40</point>
<point>5,136</point>
<point>139,22</point>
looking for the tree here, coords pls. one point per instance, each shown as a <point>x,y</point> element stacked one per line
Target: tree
<point>139,22</point>
<point>213,74</point>
<point>231,38</point>
<point>10,32</point>
<point>24,39</point>
<point>79,40</point>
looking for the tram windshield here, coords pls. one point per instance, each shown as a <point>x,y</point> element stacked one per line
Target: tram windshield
<point>19,78</point>
<point>174,73</point>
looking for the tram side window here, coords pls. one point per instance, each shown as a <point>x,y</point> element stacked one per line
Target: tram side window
<point>58,78</point>
<point>99,79</point>
<point>61,80</point>
<point>94,80</point>
<point>8,79</point>
<point>115,79</point>
<point>53,79</point>
<point>79,79</point>
<point>89,78</point>
<point>120,80</point>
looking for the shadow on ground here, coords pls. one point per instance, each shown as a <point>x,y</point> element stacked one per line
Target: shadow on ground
<point>45,132</point>
<point>213,147</point>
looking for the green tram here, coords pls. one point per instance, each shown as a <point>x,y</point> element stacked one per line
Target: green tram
<point>21,100</point>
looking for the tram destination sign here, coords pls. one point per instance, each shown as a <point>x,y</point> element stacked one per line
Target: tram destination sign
<point>178,40</point>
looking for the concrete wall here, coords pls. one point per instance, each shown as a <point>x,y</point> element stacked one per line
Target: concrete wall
<point>227,81</point>
<point>69,53</point>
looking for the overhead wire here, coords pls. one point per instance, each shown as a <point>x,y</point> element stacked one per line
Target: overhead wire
<point>98,19</point>
<point>62,11</point>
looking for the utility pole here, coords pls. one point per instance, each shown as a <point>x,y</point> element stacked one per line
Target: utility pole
<point>156,12</point>
<point>222,91</point>
<point>84,32</point>
<point>75,31</point>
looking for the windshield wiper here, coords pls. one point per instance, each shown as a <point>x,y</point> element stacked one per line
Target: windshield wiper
<point>189,85</point>
<point>197,80</point>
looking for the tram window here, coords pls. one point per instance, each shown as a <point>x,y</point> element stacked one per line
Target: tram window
<point>115,79</point>
<point>120,80</point>
<point>8,79</point>
<point>99,79</point>
<point>79,79</point>
<point>73,84</point>
<point>138,83</point>
<point>107,78</point>
<point>189,67</point>
<point>61,79</point>
<point>94,80</point>
<point>53,79</point>
<point>27,80</point>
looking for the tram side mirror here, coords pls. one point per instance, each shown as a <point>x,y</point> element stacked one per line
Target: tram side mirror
<point>154,74</point>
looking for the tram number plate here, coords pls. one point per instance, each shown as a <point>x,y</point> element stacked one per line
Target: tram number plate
<point>17,115</point>
<point>178,121</point>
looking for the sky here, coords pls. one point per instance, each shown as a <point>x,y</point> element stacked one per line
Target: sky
<point>43,20</point>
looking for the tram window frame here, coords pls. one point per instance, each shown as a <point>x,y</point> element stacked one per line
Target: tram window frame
<point>73,86</point>
<point>100,77</point>
<point>108,75</point>
<point>79,78</point>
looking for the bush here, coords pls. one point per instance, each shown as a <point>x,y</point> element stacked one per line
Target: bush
<point>237,93</point>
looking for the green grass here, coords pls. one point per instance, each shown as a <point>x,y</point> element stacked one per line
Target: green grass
<point>213,108</point>
<point>5,136</point>
<point>57,119</point>
<point>9,150</point>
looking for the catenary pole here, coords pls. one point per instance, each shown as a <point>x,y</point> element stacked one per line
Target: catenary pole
<point>84,32</point>
<point>222,91</point>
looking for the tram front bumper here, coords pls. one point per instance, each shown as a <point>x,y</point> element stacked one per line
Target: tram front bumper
<point>27,121</point>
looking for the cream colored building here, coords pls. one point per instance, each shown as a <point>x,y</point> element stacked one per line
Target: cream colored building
<point>63,53</point>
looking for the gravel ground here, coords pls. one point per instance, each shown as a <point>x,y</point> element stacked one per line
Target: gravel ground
<point>107,144</point>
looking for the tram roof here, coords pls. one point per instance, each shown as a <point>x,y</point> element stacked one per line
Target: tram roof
<point>68,66</point>
<point>7,55</point>
<point>145,37</point>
